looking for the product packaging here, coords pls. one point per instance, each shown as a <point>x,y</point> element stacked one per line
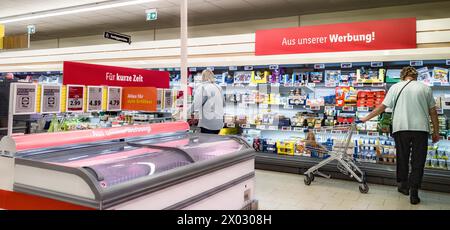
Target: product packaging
<point>424,75</point>
<point>440,75</point>
<point>316,77</point>
<point>259,77</point>
<point>242,77</point>
<point>332,77</point>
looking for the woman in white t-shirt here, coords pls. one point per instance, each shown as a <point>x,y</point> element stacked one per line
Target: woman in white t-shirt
<point>208,104</point>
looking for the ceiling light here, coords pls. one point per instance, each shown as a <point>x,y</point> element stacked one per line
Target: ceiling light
<point>73,10</point>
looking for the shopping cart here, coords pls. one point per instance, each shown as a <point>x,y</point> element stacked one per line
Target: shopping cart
<point>341,137</point>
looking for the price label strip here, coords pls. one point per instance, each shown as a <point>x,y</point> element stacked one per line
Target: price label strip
<point>347,108</point>
<point>373,134</point>
<point>261,127</point>
<point>363,109</point>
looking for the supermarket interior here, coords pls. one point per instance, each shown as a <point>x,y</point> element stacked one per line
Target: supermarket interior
<point>224,105</point>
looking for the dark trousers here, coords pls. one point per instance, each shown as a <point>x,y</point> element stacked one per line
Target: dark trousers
<point>412,144</point>
<point>208,131</point>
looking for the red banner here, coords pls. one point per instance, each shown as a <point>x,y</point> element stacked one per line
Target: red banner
<point>371,35</point>
<point>99,75</point>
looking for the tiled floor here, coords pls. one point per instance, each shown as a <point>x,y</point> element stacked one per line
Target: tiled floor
<point>286,191</point>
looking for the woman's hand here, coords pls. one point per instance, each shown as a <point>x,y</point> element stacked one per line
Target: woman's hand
<point>436,137</point>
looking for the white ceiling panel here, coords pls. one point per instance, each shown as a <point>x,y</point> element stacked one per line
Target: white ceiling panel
<point>131,18</point>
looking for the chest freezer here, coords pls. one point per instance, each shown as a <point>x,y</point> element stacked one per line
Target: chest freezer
<point>156,166</point>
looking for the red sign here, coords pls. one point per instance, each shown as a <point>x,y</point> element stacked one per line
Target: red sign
<point>99,75</point>
<point>75,98</point>
<point>371,35</point>
<point>139,99</point>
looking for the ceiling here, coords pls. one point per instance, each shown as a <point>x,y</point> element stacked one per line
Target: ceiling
<point>132,18</point>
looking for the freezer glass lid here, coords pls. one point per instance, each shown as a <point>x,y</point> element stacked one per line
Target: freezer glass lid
<point>198,146</point>
<point>117,163</point>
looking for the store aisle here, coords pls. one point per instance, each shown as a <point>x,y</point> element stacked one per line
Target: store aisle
<point>286,191</point>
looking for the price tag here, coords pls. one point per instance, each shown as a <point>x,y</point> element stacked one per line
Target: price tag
<point>223,84</point>
<point>286,128</point>
<point>355,84</point>
<point>363,109</point>
<point>24,98</point>
<point>115,99</point>
<point>330,84</point>
<point>445,84</point>
<point>273,128</point>
<point>378,84</point>
<point>273,67</point>
<point>336,132</point>
<point>192,69</point>
<point>233,68</point>
<point>319,66</point>
<point>315,108</point>
<point>263,106</point>
<point>288,107</point>
<point>162,69</point>
<point>275,85</point>
<point>75,98</point>
<point>312,85</point>
<point>299,129</point>
<point>373,134</point>
<point>51,99</point>
<point>347,108</point>
<point>346,65</point>
<point>330,108</point>
<point>244,105</point>
<point>177,69</point>
<point>246,126</point>
<point>447,62</point>
<point>231,125</point>
<point>416,63</point>
<point>288,85</point>
<point>376,64</point>
<point>94,98</point>
<point>248,68</point>
<point>261,127</point>
<point>210,68</point>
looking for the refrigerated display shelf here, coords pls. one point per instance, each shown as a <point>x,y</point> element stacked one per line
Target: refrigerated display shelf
<point>434,180</point>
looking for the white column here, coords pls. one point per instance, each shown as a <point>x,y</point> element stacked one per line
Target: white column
<point>184,55</point>
<point>10,110</point>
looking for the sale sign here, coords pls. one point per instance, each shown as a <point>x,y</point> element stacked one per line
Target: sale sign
<point>139,99</point>
<point>75,98</point>
<point>51,99</point>
<point>24,98</point>
<point>94,98</point>
<point>100,75</point>
<point>371,35</point>
<point>114,99</point>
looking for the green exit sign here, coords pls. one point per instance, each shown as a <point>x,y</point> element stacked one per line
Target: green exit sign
<point>152,14</point>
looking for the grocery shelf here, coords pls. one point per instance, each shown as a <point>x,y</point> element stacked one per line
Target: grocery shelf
<point>434,179</point>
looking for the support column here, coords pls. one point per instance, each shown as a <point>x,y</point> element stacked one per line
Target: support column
<point>184,56</point>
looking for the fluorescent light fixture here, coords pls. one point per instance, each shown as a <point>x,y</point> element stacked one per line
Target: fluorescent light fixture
<point>73,10</point>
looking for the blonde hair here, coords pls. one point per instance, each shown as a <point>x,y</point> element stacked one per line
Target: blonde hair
<point>208,76</point>
<point>408,72</point>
